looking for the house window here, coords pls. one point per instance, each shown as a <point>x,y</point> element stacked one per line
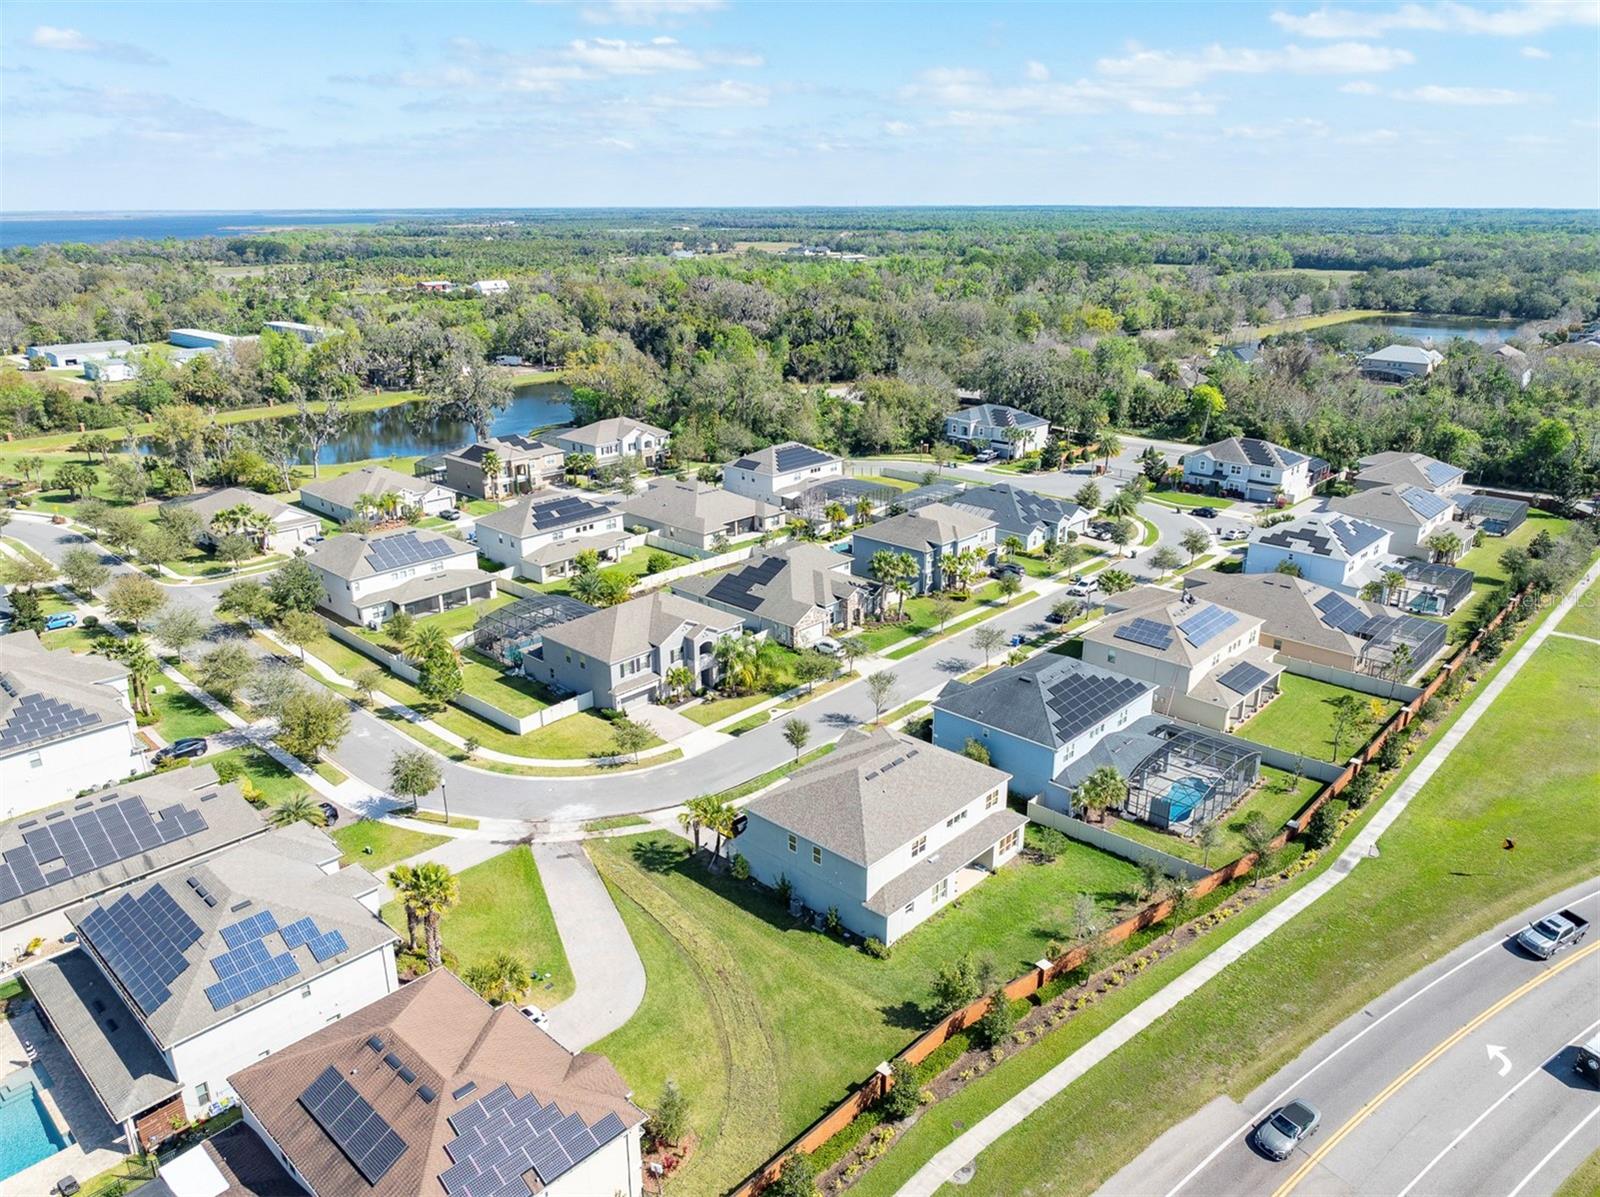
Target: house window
<point>202,1094</point>
<point>992,801</point>
<point>791,841</point>
<point>910,907</point>
<point>1008,842</point>
<point>919,845</point>
<point>816,855</point>
<point>35,760</point>
<point>941,891</point>
<point>955,818</point>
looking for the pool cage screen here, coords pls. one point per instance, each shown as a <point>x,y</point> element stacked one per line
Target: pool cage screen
<point>1190,779</point>
<point>517,628</point>
<point>812,503</point>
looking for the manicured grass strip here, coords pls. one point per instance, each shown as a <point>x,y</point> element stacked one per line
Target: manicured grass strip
<point>1179,498</point>
<point>615,823</point>
<point>1484,562</point>
<point>274,781</point>
<point>1585,1182</point>
<point>961,625</point>
<point>759,719</point>
<point>330,773</point>
<point>1584,618</point>
<point>763,780</point>
<point>77,640</point>
<point>1301,718</point>
<point>387,842</point>
<point>178,714</point>
<point>464,822</point>
<point>717,709</point>
<point>503,908</point>
<point>922,618</point>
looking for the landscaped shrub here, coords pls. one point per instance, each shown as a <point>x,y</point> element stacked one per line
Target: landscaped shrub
<point>784,888</point>
<point>832,921</point>
<point>976,750</point>
<point>91,621</point>
<point>998,1020</point>
<point>739,867</point>
<point>227,768</point>
<point>901,1101</point>
<point>1360,790</point>
<point>1392,754</point>
<point>958,984</point>
<point>1320,831</point>
<point>656,562</point>
<point>1430,710</point>
<point>876,948</point>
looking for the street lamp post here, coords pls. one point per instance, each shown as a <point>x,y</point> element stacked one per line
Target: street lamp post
<point>444,796</point>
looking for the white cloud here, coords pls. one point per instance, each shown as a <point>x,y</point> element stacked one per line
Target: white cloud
<point>962,94</point>
<point>616,143</point>
<point>1171,69</point>
<point>729,93</point>
<point>1297,127</point>
<point>899,128</point>
<point>649,12</point>
<point>73,41</point>
<point>1517,20</point>
<point>1037,72</point>
<point>614,56</point>
<point>1472,97</point>
<point>1369,137</point>
<point>1360,87</point>
<point>1534,52</point>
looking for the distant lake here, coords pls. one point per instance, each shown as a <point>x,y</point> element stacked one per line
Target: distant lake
<point>45,228</point>
<point>1433,328</point>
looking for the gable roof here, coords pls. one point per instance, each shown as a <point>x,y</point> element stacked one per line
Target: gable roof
<point>1016,510</point>
<point>998,415</point>
<point>783,585</point>
<point>633,628</point>
<point>1409,469</point>
<point>783,459</point>
<point>1336,538</point>
<point>450,1076</point>
<point>1164,630</point>
<point>1408,505</point>
<point>605,431</point>
<point>209,503</point>
<point>1409,355</point>
<point>1249,450</point>
<point>1290,608</point>
<point>344,490</point>
<point>696,506</point>
<point>356,555</point>
<point>876,793</point>
<point>544,513</point>
<point>508,448</point>
<point>47,696</point>
<point>928,526</point>
<point>1046,699</point>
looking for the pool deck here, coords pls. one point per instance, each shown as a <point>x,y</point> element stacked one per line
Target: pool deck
<point>97,1143</point>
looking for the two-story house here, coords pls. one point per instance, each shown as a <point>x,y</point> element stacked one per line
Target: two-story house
<point>1005,431</point>
<point>1334,551</point>
<point>1408,469</point>
<point>1400,363</point>
<point>1410,514</point>
<point>887,830</point>
<point>66,724</point>
<point>521,465</point>
<point>282,528</point>
<point>610,441</point>
<point>780,473</point>
<point>1206,661</point>
<point>181,981</point>
<point>932,536</point>
<point>1256,470</point>
<point>541,538</point>
<point>366,579</point>
<point>432,1092</point>
<point>1034,519</point>
<point>623,654</point>
<point>374,490</point>
<point>696,516</point>
<point>1037,717</point>
<point>798,593</point>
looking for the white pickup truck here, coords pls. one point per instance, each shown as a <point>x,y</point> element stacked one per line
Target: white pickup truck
<point>1553,933</point>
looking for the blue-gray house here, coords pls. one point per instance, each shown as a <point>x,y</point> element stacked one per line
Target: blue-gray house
<point>931,536</point>
<point>1038,717</point>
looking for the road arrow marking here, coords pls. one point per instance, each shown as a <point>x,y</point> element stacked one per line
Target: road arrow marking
<point>1499,1053</point>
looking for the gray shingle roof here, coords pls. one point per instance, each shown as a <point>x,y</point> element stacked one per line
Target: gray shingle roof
<point>927,527</point>
<point>605,431</point>
<point>998,415</point>
<point>344,490</point>
<point>1287,606</point>
<point>1410,355</point>
<point>1047,699</point>
<point>47,696</point>
<point>1017,511</point>
<point>511,447</point>
<point>353,555</point>
<point>1408,505</point>
<point>1408,469</point>
<point>695,506</point>
<point>1170,617</point>
<point>876,793</point>
<point>544,513</point>
<point>633,628</point>
<point>1337,538</point>
<point>783,459</point>
<point>208,504</point>
<point>783,585</point>
<point>1249,450</point>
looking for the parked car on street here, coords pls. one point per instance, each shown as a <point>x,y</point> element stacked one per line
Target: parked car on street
<point>1287,1128</point>
<point>1553,933</point>
<point>1010,567</point>
<point>1083,589</point>
<point>1587,1064</point>
<point>61,619</point>
<point>188,748</point>
<point>1205,513</point>
<point>1235,534</point>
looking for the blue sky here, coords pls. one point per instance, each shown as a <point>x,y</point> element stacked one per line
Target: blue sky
<point>623,102</point>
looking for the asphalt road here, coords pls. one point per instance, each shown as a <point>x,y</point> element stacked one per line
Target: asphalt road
<point>1459,1081</point>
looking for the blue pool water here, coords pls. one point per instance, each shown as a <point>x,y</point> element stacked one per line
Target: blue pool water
<point>1184,796</point>
<point>27,1134</point>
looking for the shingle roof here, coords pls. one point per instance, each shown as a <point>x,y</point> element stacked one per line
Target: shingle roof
<point>457,1051</point>
<point>1288,607</point>
<point>1016,510</point>
<point>544,513</point>
<point>927,527</point>
<point>1048,699</point>
<point>240,1160</point>
<point>695,506</point>
<point>605,431</point>
<point>354,555</point>
<point>1337,538</point>
<point>1409,469</point>
<point>344,490</point>
<point>633,628</point>
<point>783,459</point>
<point>1408,354</point>
<point>508,448</point>
<point>208,504</point>
<point>783,585</point>
<point>47,696</point>
<point>938,864</point>
<point>998,415</point>
<point>1249,450</point>
<point>1178,639</point>
<point>876,793</point>
<point>1409,505</point>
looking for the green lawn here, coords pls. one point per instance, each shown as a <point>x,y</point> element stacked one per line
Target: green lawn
<point>274,781</point>
<point>1584,618</point>
<point>781,678</point>
<point>1442,877</point>
<point>765,1024</point>
<point>484,677</point>
<point>1484,562</point>
<point>885,480</point>
<point>503,908</point>
<point>1277,798</point>
<point>1301,719</point>
<point>463,619</point>
<point>74,640</point>
<point>178,715</point>
<point>634,563</point>
<point>387,842</point>
<point>921,618</point>
<point>1179,498</point>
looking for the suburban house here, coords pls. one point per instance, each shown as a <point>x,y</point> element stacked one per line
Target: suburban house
<point>362,491</point>
<point>1037,717</point>
<point>1334,551</point>
<point>609,441</point>
<point>490,286</point>
<point>780,472</point>
<point>1036,520</point>
<point>66,724</point>
<point>1004,430</point>
<point>1516,364</point>
<point>541,537</point>
<point>432,1092</point>
<point>1408,469</point>
<point>1400,363</point>
<point>311,334</point>
<point>181,981</point>
<point>1256,470</point>
<point>369,578</point>
<point>110,369</point>
<point>886,830</point>
<point>1496,515</point>
<point>522,465</point>
<point>282,528</point>
<point>85,847</point>
<point>1207,661</point>
<point>692,515</point>
<point>623,654</point>
<point>1308,622</point>
<point>80,353</point>
<point>931,535</point>
<point>797,594</point>
<point>436,286</point>
<point>1408,513</point>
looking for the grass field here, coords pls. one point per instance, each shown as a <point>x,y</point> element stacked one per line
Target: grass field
<point>1584,618</point>
<point>782,678</point>
<point>634,563</point>
<point>503,908</point>
<point>1181,498</point>
<point>1484,562</point>
<point>764,1023</point>
<point>388,843</point>
<point>1439,880</point>
<point>274,781</point>
<point>1277,799</point>
<point>1301,718</point>
<point>178,715</point>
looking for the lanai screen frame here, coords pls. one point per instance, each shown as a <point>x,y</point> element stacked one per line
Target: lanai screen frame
<point>1228,769</point>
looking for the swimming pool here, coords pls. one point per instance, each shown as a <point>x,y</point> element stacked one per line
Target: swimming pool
<point>1184,795</point>
<point>27,1132</point>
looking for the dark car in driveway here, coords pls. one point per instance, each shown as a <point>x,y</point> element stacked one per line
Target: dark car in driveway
<point>1288,1127</point>
<point>186,749</point>
<point>330,812</point>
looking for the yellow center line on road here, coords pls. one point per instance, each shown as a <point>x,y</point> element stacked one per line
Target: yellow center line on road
<point>1400,1081</point>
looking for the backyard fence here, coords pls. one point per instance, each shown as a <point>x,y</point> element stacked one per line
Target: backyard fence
<point>1364,683</point>
<point>879,1083</point>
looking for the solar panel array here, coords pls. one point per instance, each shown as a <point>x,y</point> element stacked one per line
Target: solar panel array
<point>36,718</point>
<point>1440,472</point>
<point>81,843</point>
<point>143,939</point>
<point>1147,632</point>
<point>1081,699</point>
<point>567,509</point>
<point>1341,615</point>
<point>1354,535</point>
<point>1206,624</point>
<point>1424,502</point>
<point>407,548</point>
<point>251,966</point>
<point>798,457</point>
<point>501,1136</point>
<point>366,1139</point>
<point>737,588</point>
<point>1265,453</point>
<point>1244,677</point>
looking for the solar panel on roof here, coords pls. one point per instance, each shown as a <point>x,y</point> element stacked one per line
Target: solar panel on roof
<point>798,457</point>
<point>1340,614</point>
<point>1425,503</point>
<point>359,1131</point>
<point>142,939</point>
<point>1244,678</point>
<point>327,945</point>
<point>38,717</point>
<point>1206,624</point>
<point>1146,632</point>
<point>501,1136</point>
<point>236,935</point>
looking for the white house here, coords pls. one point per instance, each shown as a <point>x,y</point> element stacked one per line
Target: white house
<point>1248,468</point>
<point>541,537</point>
<point>1410,514</point>
<point>797,594</point>
<point>1399,363</point>
<point>366,579</point>
<point>1034,519</point>
<point>1007,431</point>
<point>780,472</point>
<point>66,724</point>
<point>932,536</point>
<point>80,353</point>
<point>1334,551</point>
<point>432,1092</point>
<point>348,495</point>
<point>285,527</point>
<point>109,369</point>
<point>609,441</point>
<point>886,830</point>
<point>181,981</point>
<point>490,286</point>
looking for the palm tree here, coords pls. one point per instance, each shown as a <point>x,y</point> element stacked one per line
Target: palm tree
<point>863,510</point>
<point>689,819</point>
<point>1110,446</point>
<point>402,879</point>
<point>679,679</point>
<point>895,571</point>
<point>426,641</point>
<point>256,524</point>
<point>1102,789</point>
<point>740,661</point>
<point>490,465</point>
<point>1123,504</point>
<point>389,503</point>
<point>134,655</point>
<point>300,808</point>
<point>1446,547</point>
<point>836,514</point>
<point>1011,546</point>
<point>503,977</point>
<point>718,815</point>
<point>1393,580</point>
<point>434,890</point>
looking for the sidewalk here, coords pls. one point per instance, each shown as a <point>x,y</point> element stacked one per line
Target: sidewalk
<point>965,1149</point>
